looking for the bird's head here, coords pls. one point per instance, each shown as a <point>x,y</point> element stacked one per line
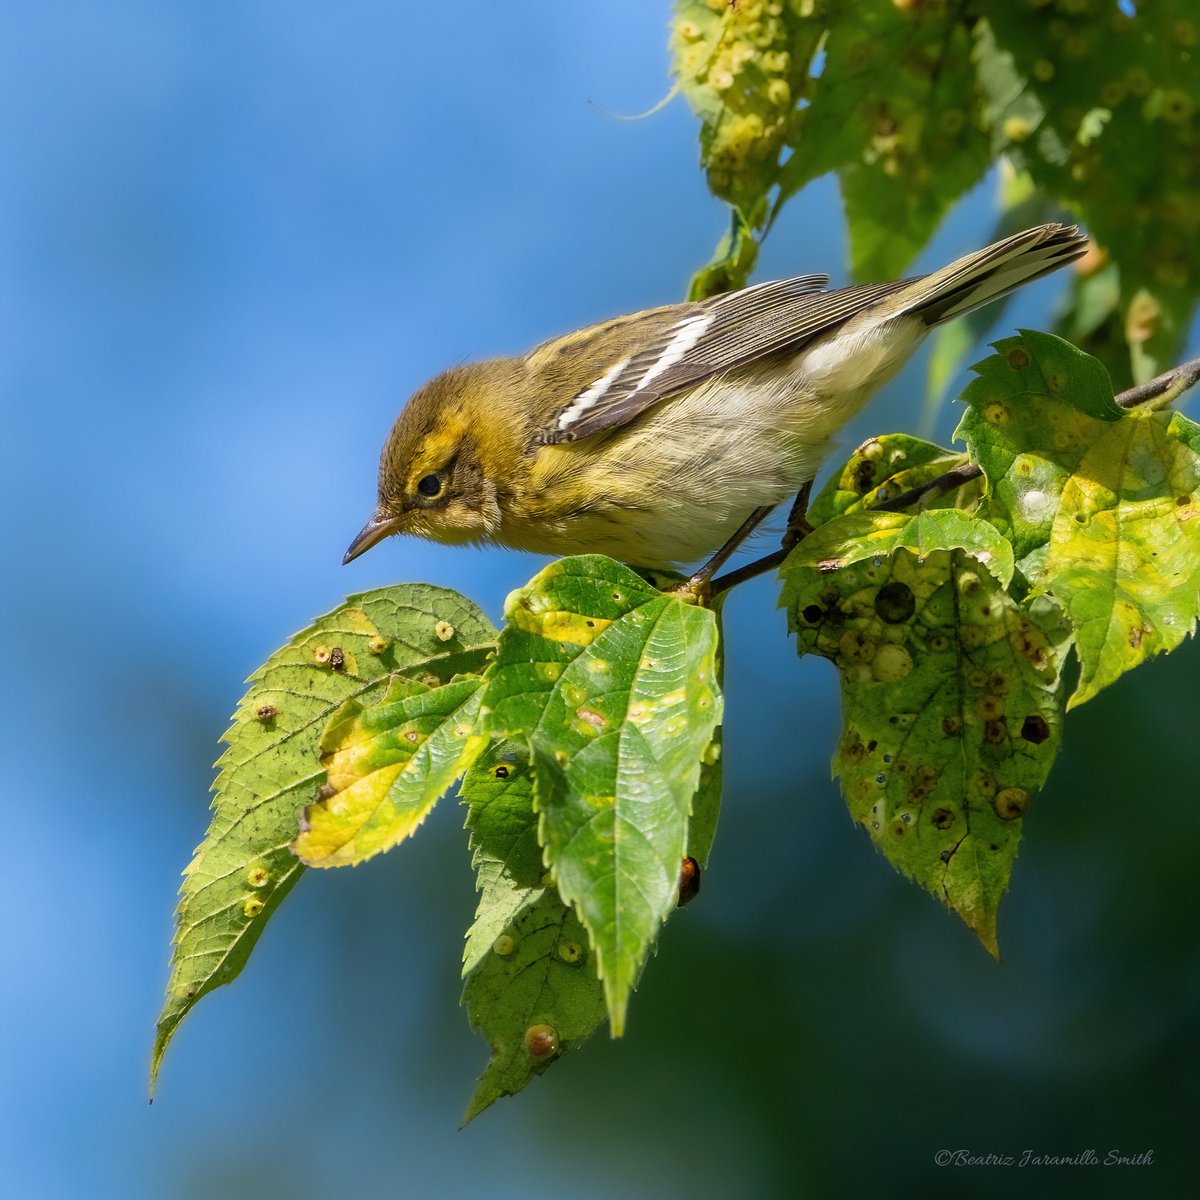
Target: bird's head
<point>432,481</point>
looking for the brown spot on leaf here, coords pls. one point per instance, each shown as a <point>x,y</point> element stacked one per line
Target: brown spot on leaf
<point>995,732</point>
<point>501,772</point>
<point>951,726</point>
<point>268,712</point>
<point>689,881</point>
<point>337,659</point>
<point>541,1041</point>
<point>894,603</point>
<point>1011,803</point>
<point>924,780</point>
<point>1034,729</point>
<point>853,751</point>
<point>1018,358</point>
<point>862,475</point>
<point>943,818</point>
<point>591,717</point>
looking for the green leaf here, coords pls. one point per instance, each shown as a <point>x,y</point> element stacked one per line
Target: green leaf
<point>1097,501</point>
<point>612,684</point>
<point>1033,410</point>
<point>1101,111</point>
<point>859,535</point>
<point>1124,553</point>
<point>244,867</point>
<point>387,763</point>
<point>883,468</point>
<point>897,113</point>
<point>530,985</point>
<point>706,804</point>
<point>952,705</point>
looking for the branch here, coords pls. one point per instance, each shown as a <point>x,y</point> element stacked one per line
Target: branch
<point>1165,388</point>
<point>760,566</point>
<point>952,479</point>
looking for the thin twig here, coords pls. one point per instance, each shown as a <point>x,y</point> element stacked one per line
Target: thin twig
<point>760,566</point>
<point>1168,386</point>
<point>952,479</point>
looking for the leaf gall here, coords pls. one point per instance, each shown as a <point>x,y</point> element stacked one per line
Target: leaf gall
<point>541,1041</point>
<point>894,603</point>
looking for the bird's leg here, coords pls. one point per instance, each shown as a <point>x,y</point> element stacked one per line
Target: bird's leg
<point>798,527</point>
<point>797,530</point>
<point>699,583</point>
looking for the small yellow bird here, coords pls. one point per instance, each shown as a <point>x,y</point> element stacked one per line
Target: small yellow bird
<point>653,437</point>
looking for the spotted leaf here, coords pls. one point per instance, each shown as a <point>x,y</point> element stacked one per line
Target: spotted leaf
<point>387,763</point>
<point>951,697</point>
<point>530,982</point>
<point>244,867</point>
<point>612,686</point>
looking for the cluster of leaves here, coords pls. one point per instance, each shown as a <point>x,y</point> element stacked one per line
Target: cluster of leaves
<point>910,101</point>
<point>585,737</point>
<point>585,733</point>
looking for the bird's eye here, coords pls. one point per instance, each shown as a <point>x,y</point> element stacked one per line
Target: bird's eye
<point>429,485</point>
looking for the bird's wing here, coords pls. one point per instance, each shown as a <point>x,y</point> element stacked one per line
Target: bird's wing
<point>685,345</point>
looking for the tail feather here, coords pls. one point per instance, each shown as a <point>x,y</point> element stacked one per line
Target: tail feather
<point>979,278</point>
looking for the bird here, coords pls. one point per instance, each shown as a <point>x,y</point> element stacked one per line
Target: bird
<point>658,437</point>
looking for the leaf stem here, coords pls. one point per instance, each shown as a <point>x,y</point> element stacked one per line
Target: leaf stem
<point>952,479</point>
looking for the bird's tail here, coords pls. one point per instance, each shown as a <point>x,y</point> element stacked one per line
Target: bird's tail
<point>979,278</point>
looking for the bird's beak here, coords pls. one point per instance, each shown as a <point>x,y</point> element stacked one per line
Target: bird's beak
<point>375,530</point>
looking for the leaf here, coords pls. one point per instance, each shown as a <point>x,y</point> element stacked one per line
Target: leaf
<point>387,763</point>
<point>706,804</point>
<point>952,703</point>
<point>896,112</point>
<point>883,468</point>
<point>1097,501</point>
<point>1124,554</point>
<point>612,685</point>
<point>531,986</point>
<point>864,534</point>
<point>1031,413</point>
<point>244,867</point>
<point>1102,113</point>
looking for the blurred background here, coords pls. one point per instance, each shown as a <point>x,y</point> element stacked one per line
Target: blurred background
<point>233,238</point>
